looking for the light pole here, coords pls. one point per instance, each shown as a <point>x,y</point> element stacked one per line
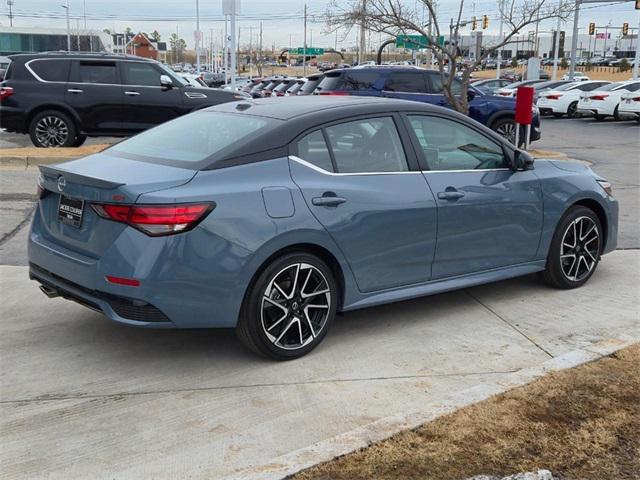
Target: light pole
<point>66,7</point>
<point>198,37</point>
<point>499,40</point>
<point>556,48</point>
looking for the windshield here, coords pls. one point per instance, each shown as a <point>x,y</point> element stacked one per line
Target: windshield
<point>193,138</point>
<point>612,86</point>
<point>176,79</point>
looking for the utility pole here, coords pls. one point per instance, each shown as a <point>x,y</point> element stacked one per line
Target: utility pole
<point>556,48</point>
<point>363,38</point>
<point>225,52</point>
<point>232,34</point>
<point>250,51</point>
<point>197,37</point>
<point>66,7</point>
<point>10,5</point>
<point>78,32</point>
<point>499,65</point>
<point>304,46</point>
<point>637,58</point>
<point>574,40</point>
<point>260,48</point>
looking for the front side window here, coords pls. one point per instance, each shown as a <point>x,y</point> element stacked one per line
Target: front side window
<point>351,81</point>
<point>138,73</point>
<point>365,146</point>
<point>412,82</point>
<point>437,86</point>
<point>54,70</point>
<point>449,145</point>
<point>313,149</point>
<point>97,72</point>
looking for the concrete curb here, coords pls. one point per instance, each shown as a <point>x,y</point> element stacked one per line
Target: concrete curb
<point>27,161</point>
<point>291,463</point>
<point>23,157</point>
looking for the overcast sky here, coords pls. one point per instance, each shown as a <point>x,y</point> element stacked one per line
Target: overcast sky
<point>282,19</point>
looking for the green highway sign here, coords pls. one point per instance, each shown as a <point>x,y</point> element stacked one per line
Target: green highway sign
<point>310,51</point>
<point>415,42</point>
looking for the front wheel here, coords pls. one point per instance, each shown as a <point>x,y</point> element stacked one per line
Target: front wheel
<point>575,249</point>
<point>289,308</point>
<point>506,127</point>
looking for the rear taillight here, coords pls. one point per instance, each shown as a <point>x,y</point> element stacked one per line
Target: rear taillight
<point>598,97</point>
<point>156,220</point>
<point>5,92</point>
<point>333,93</point>
<point>635,99</point>
<point>553,97</point>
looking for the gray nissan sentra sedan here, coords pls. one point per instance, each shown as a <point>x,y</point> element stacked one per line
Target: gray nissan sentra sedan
<point>269,216</point>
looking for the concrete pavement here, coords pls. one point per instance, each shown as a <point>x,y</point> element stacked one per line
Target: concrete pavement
<point>84,398</point>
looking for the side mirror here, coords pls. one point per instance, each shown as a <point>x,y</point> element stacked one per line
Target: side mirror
<point>471,94</point>
<point>521,160</point>
<point>166,82</point>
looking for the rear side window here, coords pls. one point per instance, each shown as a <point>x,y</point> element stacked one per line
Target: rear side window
<point>349,80</point>
<point>438,87</point>
<point>313,149</point>
<point>54,70</point>
<point>97,72</point>
<point>406,82</point>
<point>590,86</point>
<point>310,85</point>
<point>193,138</point>
<point>367,146</point>
<point>138,73</point>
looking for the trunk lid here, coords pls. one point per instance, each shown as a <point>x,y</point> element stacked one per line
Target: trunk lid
<point>102,178</point>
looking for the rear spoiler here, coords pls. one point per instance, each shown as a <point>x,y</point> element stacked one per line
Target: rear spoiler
<point>54,173</point>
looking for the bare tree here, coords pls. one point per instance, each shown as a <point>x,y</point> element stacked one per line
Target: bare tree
<point>394,17</point>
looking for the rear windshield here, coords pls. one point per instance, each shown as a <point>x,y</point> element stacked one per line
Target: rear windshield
<point>349,80</point>
<point>310,85</point>
<point>193,138</point>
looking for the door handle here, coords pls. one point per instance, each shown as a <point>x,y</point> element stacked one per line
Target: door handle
<point>450,195</point>
<point>132,93</point>
<point>75,90</point>
<point>328,201</point>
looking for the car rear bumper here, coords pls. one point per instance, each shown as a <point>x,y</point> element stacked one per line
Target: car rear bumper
<point>13,119</point>
<point>180,285</point>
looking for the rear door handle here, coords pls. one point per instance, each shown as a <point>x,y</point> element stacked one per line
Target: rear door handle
<point>132,93</point>
<point>450,195</point>
<point>328,201</point>
<point>75,90</point>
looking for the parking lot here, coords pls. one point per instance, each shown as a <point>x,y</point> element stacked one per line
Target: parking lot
<point>85,398</point>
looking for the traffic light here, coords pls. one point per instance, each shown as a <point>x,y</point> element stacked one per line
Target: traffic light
<point>473,23</point>
<point>592,27</point>
<point>625,29</point>
<point>485,22</point>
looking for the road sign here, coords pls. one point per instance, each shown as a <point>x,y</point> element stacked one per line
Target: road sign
<point>314,51</point>
<point>415,42</point>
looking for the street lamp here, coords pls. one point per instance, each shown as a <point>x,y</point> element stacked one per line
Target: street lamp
<point>66,7</point>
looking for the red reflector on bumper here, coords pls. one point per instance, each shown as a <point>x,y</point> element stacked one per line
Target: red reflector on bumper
<point>129,282</point>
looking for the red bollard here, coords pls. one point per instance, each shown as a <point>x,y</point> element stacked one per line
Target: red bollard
<point>524,112</point>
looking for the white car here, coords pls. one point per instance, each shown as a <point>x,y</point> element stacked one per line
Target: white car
<point>193,80</point>
<point>603,102</point>
<point>630,103</point>
<point>577,77</point>
<point>564,100</point>
<point>511,89</point>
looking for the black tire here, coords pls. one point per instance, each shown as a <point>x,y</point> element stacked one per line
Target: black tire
<point>616,114</point>
<point>600,118</point>
<point>55,126</point>
<point>556,272</point>
<point>258,317</point>
<point>505,127</point>
<point>80,139</point>
<point>558,115</point>
<point>572,110</point>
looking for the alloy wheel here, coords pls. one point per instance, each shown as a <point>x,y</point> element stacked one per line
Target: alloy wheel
<point>580,248</point>
<point>572,110</point>
<point>295,306</point>
<point>51,131</point>
<point>508,131</point>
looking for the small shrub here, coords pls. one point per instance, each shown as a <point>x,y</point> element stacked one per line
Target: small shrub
<point>564,64</point>
<point>624,65</point>
<point>514,62</point>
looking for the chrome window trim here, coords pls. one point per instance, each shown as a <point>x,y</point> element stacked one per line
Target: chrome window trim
<point>469,170</point>
<point>321,170</point>
<point>39,79</point>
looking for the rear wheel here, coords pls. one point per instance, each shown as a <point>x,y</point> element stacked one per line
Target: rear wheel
<point>616,114</point>
<point>575,249</point>
<point>600,118</point>
<point>52,128</point>
<point>558,115</point>
<point>572,110</point>
<point>506,127</point>
<point>289,307</point>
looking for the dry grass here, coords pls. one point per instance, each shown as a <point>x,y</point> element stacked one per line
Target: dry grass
<point>35,152</point>
<point>606,74</point>
<point>582,423</point>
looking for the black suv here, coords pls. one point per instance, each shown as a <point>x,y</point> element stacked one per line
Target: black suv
<point>60,98</point>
